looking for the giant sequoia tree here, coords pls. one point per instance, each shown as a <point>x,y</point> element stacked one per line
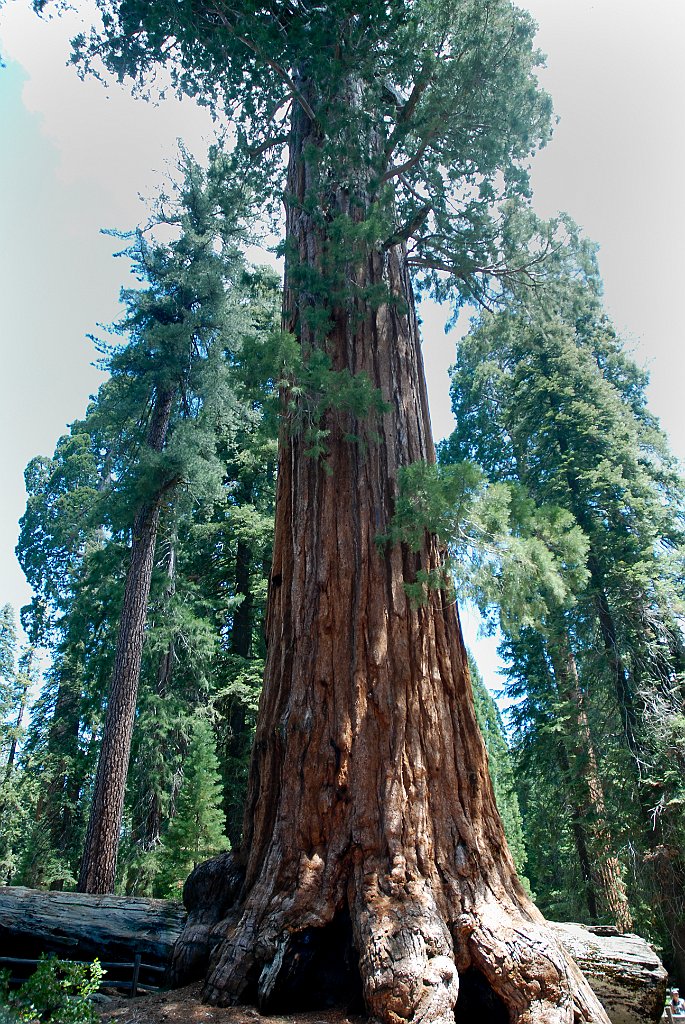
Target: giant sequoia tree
<point>369,799</point>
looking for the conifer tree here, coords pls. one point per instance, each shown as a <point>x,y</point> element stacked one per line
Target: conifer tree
<point>178,328</point>
<point>544,394</point>
<point>17,787</point>
<point>74,546</point>
<point>500,765</point>
<point>8,655</point>
<point>197,830</point>
<point>70,552</point>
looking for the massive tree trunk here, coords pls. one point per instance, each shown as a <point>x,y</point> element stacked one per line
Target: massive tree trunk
<point>370,807</point>
<point>623,970</point>
<point>78,926</point>
<point>98,866</point>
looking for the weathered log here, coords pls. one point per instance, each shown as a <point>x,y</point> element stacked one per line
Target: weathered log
<point>624,971</point>
<point>76,926</point>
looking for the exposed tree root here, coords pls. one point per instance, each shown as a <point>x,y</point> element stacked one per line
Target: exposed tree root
<point>410,964</point>
<point>407,959</point>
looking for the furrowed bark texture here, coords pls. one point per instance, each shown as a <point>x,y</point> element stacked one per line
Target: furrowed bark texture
<point>99,863</point>
<point>369,797</point>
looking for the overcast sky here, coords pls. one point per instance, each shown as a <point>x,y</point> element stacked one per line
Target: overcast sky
<point>75,156</point>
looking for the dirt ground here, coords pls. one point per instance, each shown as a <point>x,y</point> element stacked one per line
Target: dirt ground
<point>183,1006</point>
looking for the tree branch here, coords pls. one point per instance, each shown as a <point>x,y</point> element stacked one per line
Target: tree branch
<point>393,172</point>
<point>274,65</point>
<point>270,143</point>
<point>404,233</point>
<point>405,110</point>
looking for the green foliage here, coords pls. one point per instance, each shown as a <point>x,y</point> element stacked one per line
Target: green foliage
<point>501,768</point>
<point>58,991</point>
<point>8,675</point>
<point>509,557</point>
<point>197,829</point>
<point>399,96</point>
<point>548,787</point>
<point>423,117</point>
<point>317,395</point>
<point>8,643</point>
<point>17,786</point>
<point>217,472</point>
<point>546,399</point>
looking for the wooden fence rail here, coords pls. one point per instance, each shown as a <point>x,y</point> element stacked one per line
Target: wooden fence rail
<point>136,966</point>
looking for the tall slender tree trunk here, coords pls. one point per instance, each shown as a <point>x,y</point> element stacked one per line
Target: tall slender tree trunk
<point>149,830</point>
<point>605,872</point>
<point>237,745</point>
<point>98,866</point>
<point>369,799</point>
<point>23,700</point>
<point>625,697</point>
<point>580,838</point>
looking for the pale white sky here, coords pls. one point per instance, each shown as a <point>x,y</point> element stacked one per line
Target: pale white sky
<point>74,157</point>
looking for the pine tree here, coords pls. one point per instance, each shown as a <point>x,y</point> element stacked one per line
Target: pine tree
<point>166,381</point>
<point>8,654</point>
<point>500,765</point>
<point>70,553</point>
<point>197,830</point>
<point>74,544</point>
<point>17,788</point>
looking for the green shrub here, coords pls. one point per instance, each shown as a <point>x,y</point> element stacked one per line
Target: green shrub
<point>58,992</point>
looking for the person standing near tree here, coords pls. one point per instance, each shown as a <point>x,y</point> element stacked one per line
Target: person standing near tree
<point>677,1005</point>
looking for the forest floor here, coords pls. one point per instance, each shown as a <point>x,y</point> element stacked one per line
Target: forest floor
<point>183,1006</point>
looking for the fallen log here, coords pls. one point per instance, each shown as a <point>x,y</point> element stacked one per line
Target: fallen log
<point>623,970</point>
<point>76,926</point>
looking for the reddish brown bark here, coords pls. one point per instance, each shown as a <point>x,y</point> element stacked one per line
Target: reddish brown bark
<point>98,866</point>
<point>369,796</point>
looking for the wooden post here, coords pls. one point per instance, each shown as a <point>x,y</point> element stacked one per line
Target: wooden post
<point>136,974</point>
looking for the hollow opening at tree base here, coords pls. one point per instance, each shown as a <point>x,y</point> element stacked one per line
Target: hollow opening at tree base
<point>477,1003</point>
<point>320,971</point>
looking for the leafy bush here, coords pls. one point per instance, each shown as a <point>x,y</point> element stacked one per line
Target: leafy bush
<point>58,992</point>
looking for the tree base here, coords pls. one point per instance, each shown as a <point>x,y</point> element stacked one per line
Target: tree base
<point>500,963</point>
